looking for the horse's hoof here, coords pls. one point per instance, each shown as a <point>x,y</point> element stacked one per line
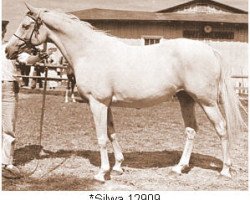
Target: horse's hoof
<point>174,174</point>
<point>116,172</point>
<point>102,177</point>
<point>226,175</point>
<point>177,169</point>
<point>43,153</point>
<point>99,178</point>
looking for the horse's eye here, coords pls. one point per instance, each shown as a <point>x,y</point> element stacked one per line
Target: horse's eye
<point>25,26</point>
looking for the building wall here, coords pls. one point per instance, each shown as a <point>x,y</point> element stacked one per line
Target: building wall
<point>136,30</point>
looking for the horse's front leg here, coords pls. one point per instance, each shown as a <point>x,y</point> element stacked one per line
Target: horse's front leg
<point>67,93</point>
<point>100,111</point>
<point>72,92</point>
<point>116,146</point>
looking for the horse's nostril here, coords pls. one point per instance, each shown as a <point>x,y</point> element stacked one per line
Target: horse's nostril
<point>6,53</point>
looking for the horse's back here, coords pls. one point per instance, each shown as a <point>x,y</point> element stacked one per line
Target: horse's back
<point>145,75</point>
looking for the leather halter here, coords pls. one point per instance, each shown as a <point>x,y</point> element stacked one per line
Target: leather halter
<point>27,42</point>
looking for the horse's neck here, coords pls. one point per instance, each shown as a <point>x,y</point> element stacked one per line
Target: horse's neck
<point>75,44</point>
<point>60,46</point>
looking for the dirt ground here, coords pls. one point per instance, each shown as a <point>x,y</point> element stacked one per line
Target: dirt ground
<point>152,140</point>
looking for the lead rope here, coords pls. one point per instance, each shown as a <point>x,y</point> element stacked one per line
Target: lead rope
<point>41,121</point>
<point>41,124</point>
<point>43,105</point>
<point>41,129</point>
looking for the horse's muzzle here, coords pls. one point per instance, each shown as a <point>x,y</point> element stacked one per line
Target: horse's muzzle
<point>11,54</point>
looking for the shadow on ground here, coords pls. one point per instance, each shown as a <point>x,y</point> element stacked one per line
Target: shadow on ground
<point>52,183</point>
<point>140,160</point>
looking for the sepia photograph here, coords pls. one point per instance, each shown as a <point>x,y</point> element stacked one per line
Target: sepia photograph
<point>122,95</point>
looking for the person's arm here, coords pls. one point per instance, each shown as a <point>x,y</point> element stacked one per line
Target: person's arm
<point>22,58</point>
<point>32,59</point>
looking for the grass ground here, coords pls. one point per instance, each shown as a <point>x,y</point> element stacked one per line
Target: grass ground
<point>152,140</point>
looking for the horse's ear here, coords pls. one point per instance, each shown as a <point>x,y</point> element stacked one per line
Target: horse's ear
<point>32,9</point>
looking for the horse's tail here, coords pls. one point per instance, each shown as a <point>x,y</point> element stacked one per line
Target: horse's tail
<point>230,101</point>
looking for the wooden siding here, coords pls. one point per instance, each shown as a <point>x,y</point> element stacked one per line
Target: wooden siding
<point>136,30</point>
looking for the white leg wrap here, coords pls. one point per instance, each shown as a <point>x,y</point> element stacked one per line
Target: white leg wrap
<point>188,146</point>
<point>118,154</point>
<point>73,97</point>
<point>184,161</point>
<point>66,96</point>
<point>226,159</point>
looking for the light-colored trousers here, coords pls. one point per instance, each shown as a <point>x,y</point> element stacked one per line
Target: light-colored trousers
<point>9,99</point>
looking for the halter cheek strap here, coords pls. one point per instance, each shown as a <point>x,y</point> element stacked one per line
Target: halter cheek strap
<point>27,42</point>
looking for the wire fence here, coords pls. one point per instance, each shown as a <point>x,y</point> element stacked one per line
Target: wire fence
<point>241,86</point>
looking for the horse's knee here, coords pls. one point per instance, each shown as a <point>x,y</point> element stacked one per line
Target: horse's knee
<point>102,142</point>
<point>190,133</point>
<point>112,136</point>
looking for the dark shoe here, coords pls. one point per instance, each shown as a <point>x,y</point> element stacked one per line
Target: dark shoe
<point>10,172</point>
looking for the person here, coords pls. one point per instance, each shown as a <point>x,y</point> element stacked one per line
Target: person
<point>10,89</point>
<point>38,70</point>
<point>52,72</point>
<point>30,57</point>
<point>25,69</point>
<point>9,100</point>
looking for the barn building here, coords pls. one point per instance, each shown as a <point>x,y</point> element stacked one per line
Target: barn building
<point>197,19</point>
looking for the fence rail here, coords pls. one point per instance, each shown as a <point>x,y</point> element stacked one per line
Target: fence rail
<point>43,78</point>
<point>241,86</point>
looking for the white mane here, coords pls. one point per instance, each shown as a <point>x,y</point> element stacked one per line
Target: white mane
<point>75,19</point>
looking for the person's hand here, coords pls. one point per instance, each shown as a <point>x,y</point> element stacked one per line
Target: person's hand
<point>43,55</point>
<point>49,52</point>
<point>18,62</point>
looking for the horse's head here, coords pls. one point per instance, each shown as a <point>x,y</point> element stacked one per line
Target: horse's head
<point>30,33</point>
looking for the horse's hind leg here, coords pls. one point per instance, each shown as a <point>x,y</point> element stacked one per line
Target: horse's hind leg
<point>72,92</point>
<point>73,85</point>
<point>67,93</point>
<point>188,113</point>
<point>215,116</point>
<point>116,146</point>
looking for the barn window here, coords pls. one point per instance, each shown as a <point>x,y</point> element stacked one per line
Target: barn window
<point>151,39</point>
<point>199,34</point>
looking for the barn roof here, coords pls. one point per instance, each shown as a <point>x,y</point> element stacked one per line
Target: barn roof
<point>216,4</point>
<point>123,15</point>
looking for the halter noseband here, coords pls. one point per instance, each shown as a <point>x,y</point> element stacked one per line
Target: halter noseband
<point>27,42</point>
